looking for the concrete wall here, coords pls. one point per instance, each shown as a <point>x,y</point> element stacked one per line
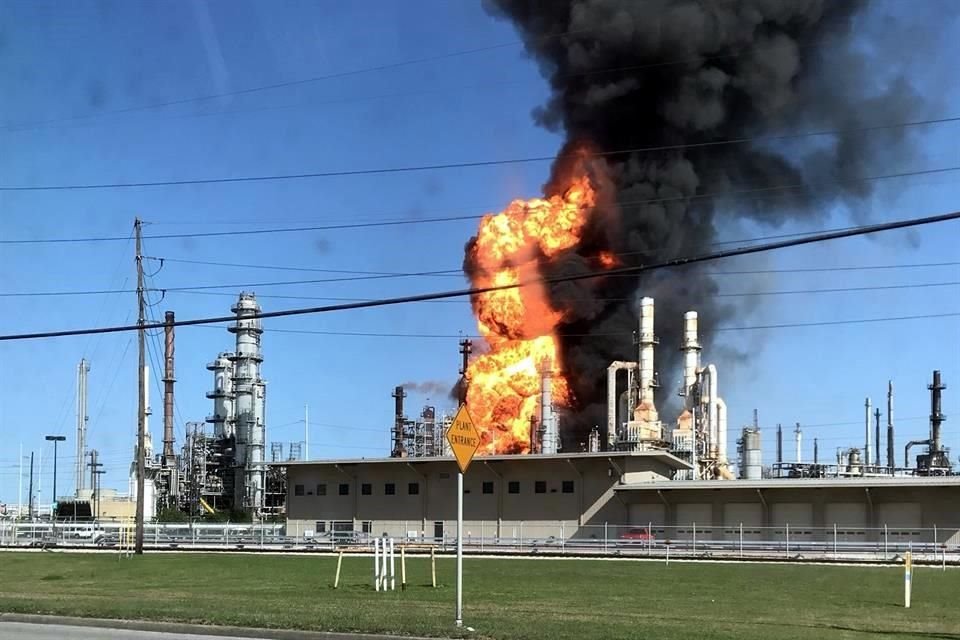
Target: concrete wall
<point>581,511</point>
<point>902,513</point>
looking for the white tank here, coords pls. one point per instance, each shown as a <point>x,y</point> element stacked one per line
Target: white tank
<point>752,455</point>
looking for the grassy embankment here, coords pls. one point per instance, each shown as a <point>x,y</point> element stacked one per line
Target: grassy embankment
<point>504,598</point>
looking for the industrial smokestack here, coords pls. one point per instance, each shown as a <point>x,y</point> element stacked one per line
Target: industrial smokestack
<point>646,408</point>
<point>398,451</point>
<point>799,436</point>
<point>685,76</point>
<point>779,444</point>
<point>548,440</point>
<point>691,356</point>
<point>876,433</point>
<point>169,457</point>
<point>891,463</point>
<point>936,414</point>
<point>816,452</point>
<point>866,449</point>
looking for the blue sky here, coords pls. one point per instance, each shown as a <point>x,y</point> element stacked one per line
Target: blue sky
<point>71,60</point>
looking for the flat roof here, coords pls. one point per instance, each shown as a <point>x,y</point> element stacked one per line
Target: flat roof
<point>792,483</point>
<point>660,455</point>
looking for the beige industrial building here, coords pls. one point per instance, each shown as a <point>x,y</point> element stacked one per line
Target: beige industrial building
<point>599,495</point>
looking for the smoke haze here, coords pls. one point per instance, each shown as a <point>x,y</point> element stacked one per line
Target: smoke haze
<point>626,74</point>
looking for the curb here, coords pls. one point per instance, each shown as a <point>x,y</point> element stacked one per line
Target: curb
<point>194,629</point>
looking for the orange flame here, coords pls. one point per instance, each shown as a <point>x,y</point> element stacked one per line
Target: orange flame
<point>519,325</point>
<point>608,260</point>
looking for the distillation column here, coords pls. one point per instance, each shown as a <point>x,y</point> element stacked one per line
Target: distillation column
<point>250,395</point>
<point>549,440</point>
<point>222,396</point>
<point>82,418</point>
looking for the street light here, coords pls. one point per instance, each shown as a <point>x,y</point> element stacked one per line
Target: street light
<point>55,440</point>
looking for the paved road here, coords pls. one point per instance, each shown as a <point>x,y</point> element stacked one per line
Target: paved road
<point>31,631</point>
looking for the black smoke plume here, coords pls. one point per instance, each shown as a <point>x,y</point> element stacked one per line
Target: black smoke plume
<point>627,74</point>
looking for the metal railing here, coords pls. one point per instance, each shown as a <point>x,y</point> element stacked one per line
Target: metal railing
<point>783,541</point>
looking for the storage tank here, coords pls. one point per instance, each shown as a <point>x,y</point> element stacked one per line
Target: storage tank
<point>752,456</point>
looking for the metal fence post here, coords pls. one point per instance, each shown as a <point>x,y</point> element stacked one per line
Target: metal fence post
<point>741,539</point>
<point>521,535</point>
<point>886,541</point>
<point>649,538</point>
<point>482,534</point>
<point>694,537</point>
<point>604,537</point>
<point>788,538</point>
<point>834,539</point>
<point>563,538</point>
<point>934,540</point>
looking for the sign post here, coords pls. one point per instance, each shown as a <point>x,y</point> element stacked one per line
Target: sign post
<point>464,441</point>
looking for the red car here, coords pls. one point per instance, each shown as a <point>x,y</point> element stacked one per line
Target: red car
<point>636,536</point>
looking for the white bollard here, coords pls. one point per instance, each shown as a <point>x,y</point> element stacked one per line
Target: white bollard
<point>383,568</point>
<point>376,564</point>
<point>907,579</point>
<point>393,573</point>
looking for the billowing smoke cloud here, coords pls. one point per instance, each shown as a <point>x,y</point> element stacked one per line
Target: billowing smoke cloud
<point>627,74</point>
<point>434,388</point>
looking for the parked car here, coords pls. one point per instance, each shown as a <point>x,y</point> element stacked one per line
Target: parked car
<point>639,535</point>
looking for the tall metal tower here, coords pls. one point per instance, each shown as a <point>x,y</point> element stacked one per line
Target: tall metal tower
<point>82,418</point>
<point>250,395</point>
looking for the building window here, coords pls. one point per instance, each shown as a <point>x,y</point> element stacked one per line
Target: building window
<point>321,489</point>
<point>344,489</point>
<point>513,487</point>
<point>366,526</point>
<point>389,489</point>
<point>540,486</point>
<point>321,526</point>
<point>413,488</point>
<point>488,487</point>
<point>567,486</point>
<point>298,489</point>
<point>366,489</point>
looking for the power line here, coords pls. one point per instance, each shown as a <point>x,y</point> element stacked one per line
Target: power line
<point>459,293</point>
<point>257,285</point>
<point>732,194</point>
<point>449,336</point>
<point>459,271</point>
<point>473,164</point>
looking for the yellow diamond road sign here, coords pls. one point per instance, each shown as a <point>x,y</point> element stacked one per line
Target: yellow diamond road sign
<point>464,438</point>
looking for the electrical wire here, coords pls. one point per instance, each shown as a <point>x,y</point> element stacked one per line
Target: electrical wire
<point>459,293</point>
<point>473,164</point>
<point>733,194</point>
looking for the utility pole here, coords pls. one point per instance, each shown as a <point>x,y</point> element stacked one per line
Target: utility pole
<point>466,348</point>
<point>141,400</point>
<point>30,491</point>
<point>55,440</point>
<point>306,431</point>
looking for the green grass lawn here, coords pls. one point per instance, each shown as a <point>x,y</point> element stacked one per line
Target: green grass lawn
<point>503,598</point>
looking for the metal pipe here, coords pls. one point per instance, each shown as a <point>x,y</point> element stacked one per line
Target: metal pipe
<point>612,399</point>
<point>906,450</point>
<point>713,418</point>
<point>866,449</point>
<point>722,462</point>
<point>890,451</point>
